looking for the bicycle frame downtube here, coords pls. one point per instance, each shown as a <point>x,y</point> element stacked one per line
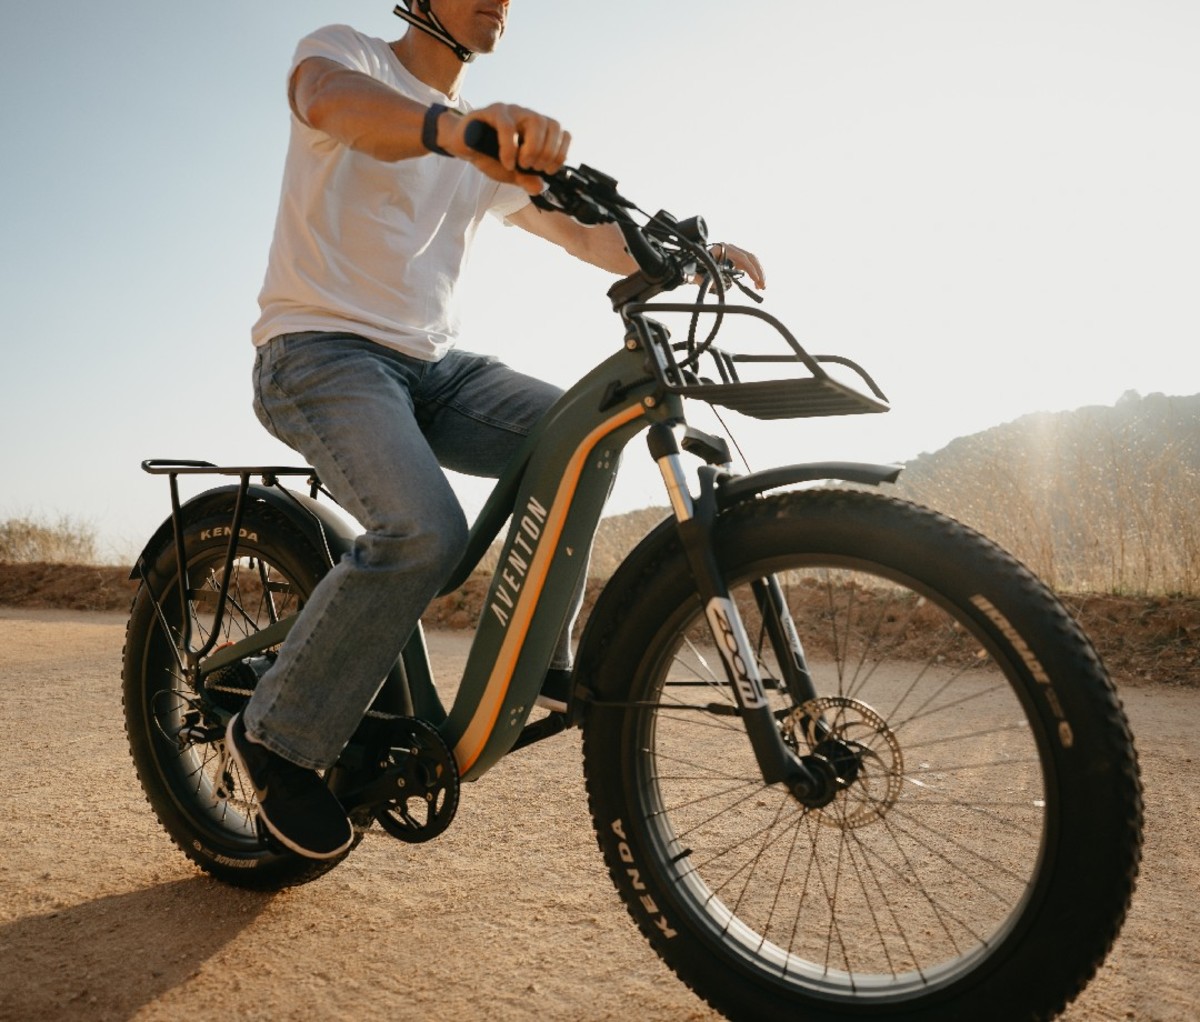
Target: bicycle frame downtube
<point>560,498</point>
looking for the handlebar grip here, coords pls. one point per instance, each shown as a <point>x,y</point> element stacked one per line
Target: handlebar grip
<point>482,137</point>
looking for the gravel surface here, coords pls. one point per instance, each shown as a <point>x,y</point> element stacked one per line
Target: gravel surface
<point>508,916</point>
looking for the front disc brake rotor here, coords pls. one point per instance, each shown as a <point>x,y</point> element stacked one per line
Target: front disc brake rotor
<point>857,742</point>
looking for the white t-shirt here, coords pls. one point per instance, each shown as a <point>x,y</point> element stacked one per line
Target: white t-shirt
<point>371,247</point>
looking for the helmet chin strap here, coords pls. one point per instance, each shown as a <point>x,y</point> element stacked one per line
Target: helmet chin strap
<point>431,26</point>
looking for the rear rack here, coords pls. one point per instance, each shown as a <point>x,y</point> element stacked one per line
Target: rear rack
<point>183,467</point>
<point>798,397</point>
<point>187,657</point>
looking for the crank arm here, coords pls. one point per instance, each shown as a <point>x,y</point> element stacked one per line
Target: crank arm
<point>394,783</point>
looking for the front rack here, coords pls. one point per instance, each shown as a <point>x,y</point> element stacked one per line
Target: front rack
<point>817,394</point>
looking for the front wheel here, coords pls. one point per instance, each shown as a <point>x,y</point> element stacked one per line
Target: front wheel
<point>979,856</point>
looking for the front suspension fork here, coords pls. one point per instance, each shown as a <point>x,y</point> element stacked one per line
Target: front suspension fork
<point>695,518</point>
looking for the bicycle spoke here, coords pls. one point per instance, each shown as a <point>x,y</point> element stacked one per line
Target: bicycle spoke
<point>879,882</point>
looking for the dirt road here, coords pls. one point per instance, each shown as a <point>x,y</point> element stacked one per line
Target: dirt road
<point>508,916</point>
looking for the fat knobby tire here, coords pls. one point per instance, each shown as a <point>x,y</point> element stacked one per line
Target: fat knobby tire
<point>179,796</point>
<point>1087,855</point>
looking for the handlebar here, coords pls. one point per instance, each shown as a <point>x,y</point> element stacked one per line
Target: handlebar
<point>665,249</point>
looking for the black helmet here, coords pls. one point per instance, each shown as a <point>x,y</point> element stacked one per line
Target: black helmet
<point>431,26</point>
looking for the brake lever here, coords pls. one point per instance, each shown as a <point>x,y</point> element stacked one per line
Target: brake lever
<point>575,204</point>
<point>736,279</point>
<point>731,277</point>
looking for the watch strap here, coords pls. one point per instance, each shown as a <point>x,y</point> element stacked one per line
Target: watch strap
<point>429,128</point>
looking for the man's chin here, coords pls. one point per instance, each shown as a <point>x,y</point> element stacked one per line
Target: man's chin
<point>488,44</point>
<point>488,38</point>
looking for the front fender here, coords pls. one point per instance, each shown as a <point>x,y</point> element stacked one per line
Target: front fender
<point>734,489</point>
<point>661,545</point>
<point>318,521</point>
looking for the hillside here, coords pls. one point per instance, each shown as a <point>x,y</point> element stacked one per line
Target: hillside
<point>1100,499</point>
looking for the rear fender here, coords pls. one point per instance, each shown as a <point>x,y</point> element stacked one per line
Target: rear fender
<point>317,521</point>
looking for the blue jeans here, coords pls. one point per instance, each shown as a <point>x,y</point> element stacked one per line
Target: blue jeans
<point>377,426</point>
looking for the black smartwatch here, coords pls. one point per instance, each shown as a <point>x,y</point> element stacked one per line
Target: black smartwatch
<point>429,129</point>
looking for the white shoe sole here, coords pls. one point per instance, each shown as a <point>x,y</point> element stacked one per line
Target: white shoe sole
<point>283,839</point>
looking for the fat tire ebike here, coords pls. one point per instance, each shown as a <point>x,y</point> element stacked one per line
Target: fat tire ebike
<point>845,757</point>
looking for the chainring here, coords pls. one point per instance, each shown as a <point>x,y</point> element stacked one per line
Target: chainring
<point>424,779</point>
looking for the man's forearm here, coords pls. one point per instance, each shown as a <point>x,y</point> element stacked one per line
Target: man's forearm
<point>602,246</point>
<point>371,118</point>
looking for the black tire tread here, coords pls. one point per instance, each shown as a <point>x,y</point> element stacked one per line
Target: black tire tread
<point>661,552</point>
<point>283,869</point>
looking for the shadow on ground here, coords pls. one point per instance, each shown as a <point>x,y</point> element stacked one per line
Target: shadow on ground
<point>108,958</point>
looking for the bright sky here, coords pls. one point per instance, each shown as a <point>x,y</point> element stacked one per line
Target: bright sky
<point>992,206</point>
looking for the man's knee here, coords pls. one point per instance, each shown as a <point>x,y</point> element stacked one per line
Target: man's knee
<point>430,548</point>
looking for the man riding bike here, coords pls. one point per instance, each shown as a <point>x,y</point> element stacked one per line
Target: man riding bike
<point>356,366</point>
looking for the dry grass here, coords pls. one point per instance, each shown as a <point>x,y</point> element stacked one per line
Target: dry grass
<point>67,541</point>
<point>1101,500</point>
<point>1102,503</point>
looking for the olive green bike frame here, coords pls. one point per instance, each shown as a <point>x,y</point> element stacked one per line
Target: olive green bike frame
<point>554,490</point>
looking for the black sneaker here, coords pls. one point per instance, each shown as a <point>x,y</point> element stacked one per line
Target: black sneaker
<point>294,803</point>
<point>556,690</point>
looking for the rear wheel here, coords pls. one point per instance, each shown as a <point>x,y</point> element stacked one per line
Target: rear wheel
<point>175,723</point>
<point>979,856</point>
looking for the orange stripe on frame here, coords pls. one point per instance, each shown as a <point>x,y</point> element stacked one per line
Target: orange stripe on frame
<point>475,738</point>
